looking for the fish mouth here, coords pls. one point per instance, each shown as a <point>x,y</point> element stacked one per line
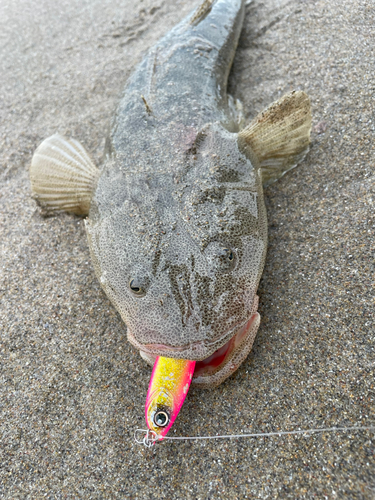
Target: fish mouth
<point>220,357</point>
<point>213,370</point>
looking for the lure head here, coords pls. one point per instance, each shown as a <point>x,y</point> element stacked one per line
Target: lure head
<point>169,384</point>
<point>160,412</point>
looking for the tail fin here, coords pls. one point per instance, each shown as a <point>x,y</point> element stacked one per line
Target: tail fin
<point>279,137</point>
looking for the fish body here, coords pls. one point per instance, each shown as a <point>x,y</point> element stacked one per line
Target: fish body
<point>177,225</point>
<point>176,192</point>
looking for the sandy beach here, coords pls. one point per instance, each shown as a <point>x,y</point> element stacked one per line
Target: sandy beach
<point>72,388</point>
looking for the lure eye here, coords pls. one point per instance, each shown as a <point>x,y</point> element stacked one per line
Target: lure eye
<point>136,287</point>
<point>161,419</point>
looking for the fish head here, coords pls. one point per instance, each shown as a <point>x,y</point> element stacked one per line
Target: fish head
<point>181,255</point>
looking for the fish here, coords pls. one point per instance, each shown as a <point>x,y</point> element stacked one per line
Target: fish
<point>175,216</point>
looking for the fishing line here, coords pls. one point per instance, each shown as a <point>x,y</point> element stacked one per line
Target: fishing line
<point>151,437</point>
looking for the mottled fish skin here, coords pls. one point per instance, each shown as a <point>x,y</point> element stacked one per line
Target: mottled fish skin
<point>178,210</point>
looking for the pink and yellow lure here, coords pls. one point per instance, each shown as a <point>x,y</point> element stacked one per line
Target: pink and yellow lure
<point>169,384</point>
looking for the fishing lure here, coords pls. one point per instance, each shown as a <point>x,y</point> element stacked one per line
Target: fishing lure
<point>169,385</point>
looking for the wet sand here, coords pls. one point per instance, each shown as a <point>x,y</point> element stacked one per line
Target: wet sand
<point>72,388</point>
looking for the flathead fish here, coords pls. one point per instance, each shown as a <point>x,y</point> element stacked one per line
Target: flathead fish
<point>176,224</point>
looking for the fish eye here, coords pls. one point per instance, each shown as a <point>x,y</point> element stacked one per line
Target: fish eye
<point>222,257</point>
<point>161,419</point>
<point>225,258</point>
<point>229,254</point>
<point>136,287</point>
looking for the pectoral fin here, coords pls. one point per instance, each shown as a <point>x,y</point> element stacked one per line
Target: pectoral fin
<point>279,137</point>
<point>63,177</point>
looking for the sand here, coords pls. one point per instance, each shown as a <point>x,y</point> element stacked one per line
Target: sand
<point>72,388</point>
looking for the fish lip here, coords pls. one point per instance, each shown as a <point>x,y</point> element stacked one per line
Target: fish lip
<point>197,351</point>
<point>187,351</point>
<point>224,361</point>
